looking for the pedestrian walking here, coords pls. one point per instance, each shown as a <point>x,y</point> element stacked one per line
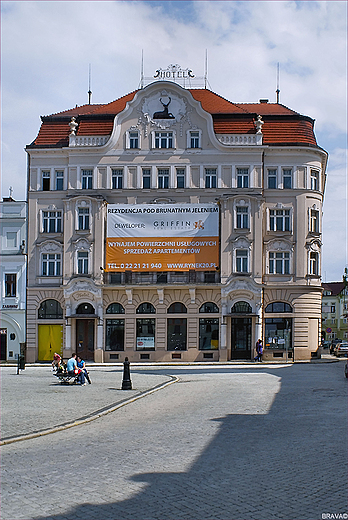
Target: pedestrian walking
<point>259,351</point>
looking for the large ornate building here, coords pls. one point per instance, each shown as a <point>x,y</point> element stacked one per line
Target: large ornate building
<point>173,224</point>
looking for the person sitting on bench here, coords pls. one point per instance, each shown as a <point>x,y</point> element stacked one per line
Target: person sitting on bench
<point>73,370</point>
<point>81,364</point>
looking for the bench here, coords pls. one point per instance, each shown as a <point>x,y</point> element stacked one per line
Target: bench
<point>67,379</point>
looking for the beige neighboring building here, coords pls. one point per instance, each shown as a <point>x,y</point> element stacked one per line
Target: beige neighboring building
<point>173,224</point>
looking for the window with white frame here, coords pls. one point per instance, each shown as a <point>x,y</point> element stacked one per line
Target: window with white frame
<point>146,178</point>
<point>134,139</point>
<point>314,263</point>
<point>210,178</point>
<point>163,178</point>
<point>279,262</point>
<point>59,180</point>
<point>117,178</point>
<point>10,284</point>
<point>314,221</point>
<point>242,213</point>
<point>52,222</point>
<point>194,139</point>
<point>83,218</point>
<point>314,180</point>
<point>180,177</point>
<point>163,139</point>
<point>272,179</point>
<point>87,179</point>
<point>287,178</point>
<point>51,264</point>
<point>46,180</point>
<point>82,262</point>
<point>279,220</point>
<point>242,177</point>
<point>242,257</point>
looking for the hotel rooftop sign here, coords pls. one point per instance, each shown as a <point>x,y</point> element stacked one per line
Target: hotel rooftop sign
<point>175,73</point>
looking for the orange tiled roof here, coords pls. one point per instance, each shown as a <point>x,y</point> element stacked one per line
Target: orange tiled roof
<point>282,126</point>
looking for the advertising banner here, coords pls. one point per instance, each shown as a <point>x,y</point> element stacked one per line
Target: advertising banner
<point>162,237</point>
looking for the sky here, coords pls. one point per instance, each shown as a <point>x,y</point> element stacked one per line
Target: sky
<point>49,47</point>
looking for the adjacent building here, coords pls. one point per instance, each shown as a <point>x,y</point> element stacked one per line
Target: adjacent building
<point>13,277</point>
<point>335,311</point>
<point>173,224</point>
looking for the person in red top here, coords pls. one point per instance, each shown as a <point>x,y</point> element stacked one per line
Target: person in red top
<point>56,361</point>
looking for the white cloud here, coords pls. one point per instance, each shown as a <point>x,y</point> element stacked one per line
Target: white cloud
<point>45,70</point>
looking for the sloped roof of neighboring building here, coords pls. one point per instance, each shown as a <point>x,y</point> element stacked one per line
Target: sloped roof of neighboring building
<point>282,126</point>
<point>334,287</point>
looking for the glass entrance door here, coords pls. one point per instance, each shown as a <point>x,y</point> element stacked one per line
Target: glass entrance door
<point>241,338</point>
<point>85,339</point>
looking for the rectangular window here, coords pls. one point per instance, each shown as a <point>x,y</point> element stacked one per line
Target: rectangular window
<point>314,180</point>
<point>287,179</point>
<point>10,284</point>
<point>272,179</point>
<point>242,261</point>
<point>163,139</point>
<point>242,178</point>
<point>210,178</point>
<point>176,333</point>
<point>114,338</point>
<point>313,263</point>
<point>11,239</point>
<point>133,140</point>
<point>279,263</point>
<point>146,328</point>
<point>314,221</point>
<point>208,333</point>
<point>51,264</point>
<point>279,220</point>
<point>59,180</point>
<point>117,179</point>
<point>180,177</point>
<point>52,221</point>
<point>163,178</point>
<point>83,218</point>
<point>242,217</point>
<point>146,178</point>
<point>87,179</point>
<point>82,262</point>
<point>46,180</point>
<point>194,139</point>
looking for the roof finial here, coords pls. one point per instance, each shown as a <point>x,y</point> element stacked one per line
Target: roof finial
<point>10,191</point>
<point>89,85</point>
<point>206,68</point>
<point>278,90</point>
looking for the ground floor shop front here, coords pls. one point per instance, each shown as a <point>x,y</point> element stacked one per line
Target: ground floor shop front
<point>172,324</point>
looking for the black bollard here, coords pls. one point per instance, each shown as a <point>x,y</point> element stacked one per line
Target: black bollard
<point>126,382</point>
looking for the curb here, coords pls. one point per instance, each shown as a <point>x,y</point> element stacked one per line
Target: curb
<point>96,415</point>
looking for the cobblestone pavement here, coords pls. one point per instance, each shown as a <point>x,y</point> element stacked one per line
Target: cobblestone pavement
<point>224,443</point>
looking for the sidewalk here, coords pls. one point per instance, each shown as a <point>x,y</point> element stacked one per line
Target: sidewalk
<point>34,402</point>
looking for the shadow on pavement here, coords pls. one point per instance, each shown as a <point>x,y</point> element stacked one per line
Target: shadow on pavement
<point>282,465</point>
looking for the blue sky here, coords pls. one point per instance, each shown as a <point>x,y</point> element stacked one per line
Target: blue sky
<point>45,70</point>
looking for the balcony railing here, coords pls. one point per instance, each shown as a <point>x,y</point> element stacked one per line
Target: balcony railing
<point>159,278</point>
<point>87,140</point>
<point>240,139</point>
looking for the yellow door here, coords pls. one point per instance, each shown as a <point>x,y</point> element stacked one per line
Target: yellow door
<point>50,341</point>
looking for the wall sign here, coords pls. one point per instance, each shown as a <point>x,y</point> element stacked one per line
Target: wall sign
<point>162,237</point>
<point>173,72</point>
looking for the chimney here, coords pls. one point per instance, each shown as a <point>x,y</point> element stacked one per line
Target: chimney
<point>264,101</point>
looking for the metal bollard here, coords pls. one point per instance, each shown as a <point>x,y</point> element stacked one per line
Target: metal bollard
<point>126,382</point>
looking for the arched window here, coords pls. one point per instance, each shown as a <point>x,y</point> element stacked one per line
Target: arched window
<point>115,308</point>
<point>146,308</point>
<point>177,308</point>
<point>209,307</point>
<point>278,307</point>
<point>50,310</point>
<point>85,308</point>
<point>241,308</point>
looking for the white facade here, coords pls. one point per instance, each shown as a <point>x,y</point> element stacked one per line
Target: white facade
<point>13,277</point>
<point>163,147</point>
